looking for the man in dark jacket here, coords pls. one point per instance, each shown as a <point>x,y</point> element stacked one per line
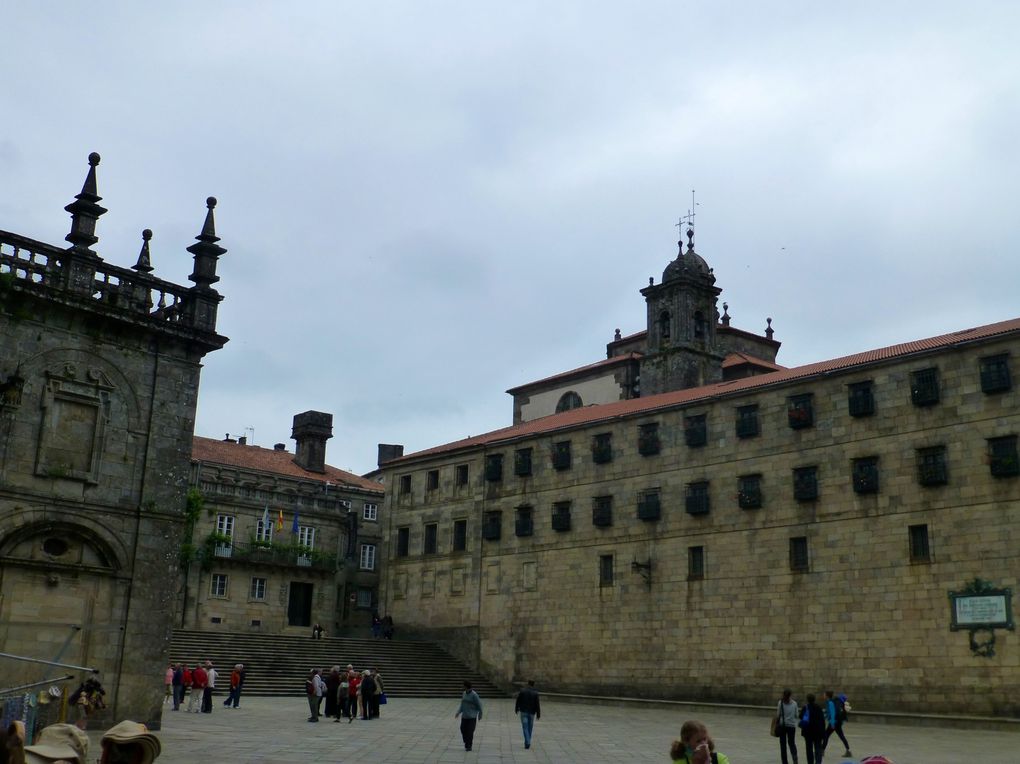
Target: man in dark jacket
<point>528,707</point>
<point>812,727</point>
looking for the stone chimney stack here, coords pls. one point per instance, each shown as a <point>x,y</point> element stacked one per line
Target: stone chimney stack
<point>388,452</point>
<point>311,431</point>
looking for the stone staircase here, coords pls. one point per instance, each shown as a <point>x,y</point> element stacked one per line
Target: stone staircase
<point>279,664</point>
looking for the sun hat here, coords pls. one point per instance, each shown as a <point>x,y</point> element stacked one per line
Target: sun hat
<point>133,733</point>
<point>59,742</point>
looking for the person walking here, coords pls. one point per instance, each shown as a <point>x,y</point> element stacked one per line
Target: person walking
<point>786,725</point>
<point>527,705</point>
<point>470,713</point>
<point>835,715</point>
<point>235,687</point>
<point>812,727</point>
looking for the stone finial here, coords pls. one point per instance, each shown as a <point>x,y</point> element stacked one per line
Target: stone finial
<point>85,211</point>
<point>617,336</point>
<point>725,314</point>
<point>651,280</point>
<point>769,331</point>
<point>690,239</point>
<point>144,264</point>
<point>206,251</point>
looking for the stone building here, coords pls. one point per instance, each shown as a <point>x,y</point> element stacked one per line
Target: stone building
<point>851,523</point>
<point>99,371</point>
<point>280,540</point>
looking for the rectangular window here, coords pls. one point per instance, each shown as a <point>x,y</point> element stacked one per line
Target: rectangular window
<point>695,563</point>
<point>1002,456</point>
<point>461,473</point>
<point>432,480</point>
<point>218,585</point>
<point>920,551</point>
<point>749,491</point>
<point>524,523</point>
<point>605,570</point>
<point>602,511</point>
<point>264,531</point>
<point>865,475</point>
<point>931,466</point>
<point>995,374</point>
<point>561,455</point>
<point>861,399</point>
<point>805,483</point>
<point>430,545</point>
<point>800,411</point>
<point>405,485</point>
<point>367,560</point>
<point>224,528</point>
<point>459,535</point>
<point>494,468</point>
<point>747,421</point>
<point>924,387</point>
<point>697,498</point>
<point>492,526</point>
<point>370,512</point>
<point>602,448</point>
<point>306,536</point>
<point>799,562</point>
<point>561,516</point>
<point>364,598</point>
<point>648,439</point>
<point>696,430</point>
<point>649,507</point>
<point>403,542</point>
<point>258,589</point>
<point>345,503</point>
<point>522,462</point>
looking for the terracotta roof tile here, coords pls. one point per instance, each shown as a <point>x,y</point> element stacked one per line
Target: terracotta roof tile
<point>739,359</point>
<point>580,371</point>
<point>618,409</point>
<point>272,461</point>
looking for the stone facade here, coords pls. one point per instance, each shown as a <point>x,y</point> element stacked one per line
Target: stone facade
<point>798,528</point>
<point>281,541</point>
<point>100,368</point>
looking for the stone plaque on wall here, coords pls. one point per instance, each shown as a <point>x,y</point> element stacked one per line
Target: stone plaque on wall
<point>75,411</point>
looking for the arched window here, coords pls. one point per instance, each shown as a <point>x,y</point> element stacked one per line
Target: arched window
<point>664,325</point>
<point>699,324</point>
<point>569,400</point>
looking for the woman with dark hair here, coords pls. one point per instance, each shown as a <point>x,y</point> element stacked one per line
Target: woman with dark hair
<point>695,746</point>
<point>812,727</point>
<point>786,725</point>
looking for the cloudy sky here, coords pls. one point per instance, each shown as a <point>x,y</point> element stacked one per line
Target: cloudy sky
<point>427,203</point>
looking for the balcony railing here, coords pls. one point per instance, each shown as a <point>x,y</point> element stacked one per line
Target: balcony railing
<point>266,553</point>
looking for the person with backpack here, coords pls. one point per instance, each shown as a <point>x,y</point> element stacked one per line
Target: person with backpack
<point>835,715</point>
<point>812,728</point>
<point>695,746</point>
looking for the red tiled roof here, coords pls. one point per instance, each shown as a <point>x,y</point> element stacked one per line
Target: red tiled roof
<point>739,359</point>
<point>578,372</point>
<point>723,329</point>
<point>618,409</point>
<point>274,462</point>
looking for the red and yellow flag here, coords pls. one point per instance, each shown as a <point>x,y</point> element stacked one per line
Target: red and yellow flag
<point>279,521</point>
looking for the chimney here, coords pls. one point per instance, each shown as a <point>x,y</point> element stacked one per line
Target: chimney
<point>311,431</point>
<point>242,440</point>
<point>388,452</point>
<point>279,446</point>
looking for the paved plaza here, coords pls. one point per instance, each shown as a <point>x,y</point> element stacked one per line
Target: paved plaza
<point>416,731</point>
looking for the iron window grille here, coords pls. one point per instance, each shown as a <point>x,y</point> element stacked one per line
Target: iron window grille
<point>920,549</point>
<point>649,506</point>
<point>695,563</point>
<point>602,448</point>
<point>648,439</point>
<point>749,491</point>
<point>800,411</point>
<point>403,542</point>
<point>492,526</point>
<point>799,561</point>
<point>696,430</point>
<point>524,525</point>
<point>861,399</point>
<point>431,543</point>
<point>805,483</point>
<point>931,466</point>
<point>865,475</point>
<point>522,462</point>
<point>459,535</point>
<point>561,516</point>
<point>995,374</point>
<point>924,387</point>
<point>432,480</point>
<point>605,570</point>
<point>697,498</point>
<point>602,511</point>
<point>747,421</point>
<point>462,475</point>
<point>1002,456</point>
<point>561,455</point>
<point>494,468</point>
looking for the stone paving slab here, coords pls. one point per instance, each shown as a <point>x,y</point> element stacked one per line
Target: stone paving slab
<point>422,731</point>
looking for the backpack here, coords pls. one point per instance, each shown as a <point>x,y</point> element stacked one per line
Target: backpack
<point>805,718</point>
<point>840,709</point>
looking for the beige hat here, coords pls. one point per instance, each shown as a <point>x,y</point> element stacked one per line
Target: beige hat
<point>133,733</point>
<point>59,742</point>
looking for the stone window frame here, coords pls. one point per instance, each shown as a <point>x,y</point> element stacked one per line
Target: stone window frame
<point>861,399</point>
<point>1003,458</point>
<point>805,483</point>
<point>919,543</point>
<point>257,590</point>
<point>492,525</point>
<point>696,430</point>
<point>523,462</point>
<point>602,511</point>
<point>561,455</point>
<point>649,507</point>
<point>524,520</point>
<point>649,442</point>
<point>568,401</point>
<point>800,411</point>
<point>932,466</point>
<point>561,521</point>
<point>994,373</point>
<point>602,448</point>
<point>402,546</point>
<point>367,557</point>
<point>800,555</point>
<point>404,485</point>
<point>695,563</point>
<point>461,475</point>
<point>925,387</point>
<point>370,512</point>
<point>864,475</point>
<point>430,539</point>
<point>747,421</point>
<point>607,573</point>
<point>219,586</point>
<point>494,468</point>
<point>749,494</point>
<point>697,498</point>
<point>459,535</point>
<point>432,480</point>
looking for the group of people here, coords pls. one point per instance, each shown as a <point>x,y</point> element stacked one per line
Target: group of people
<point>126,741</point>
<point>201,682</point>
<point>382,627</point>
<point>817,723</point>
<point>348,694</point>
<point>527,706</point>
